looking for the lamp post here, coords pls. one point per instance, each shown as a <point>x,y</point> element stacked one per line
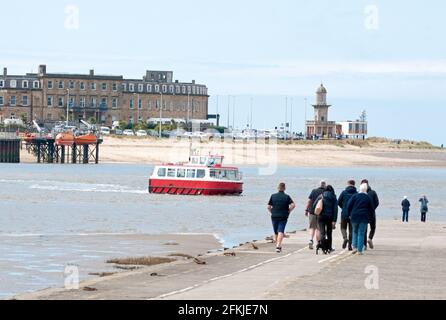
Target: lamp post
<point>161,113</point>
<point>68,105</point>
<point>188,108</point>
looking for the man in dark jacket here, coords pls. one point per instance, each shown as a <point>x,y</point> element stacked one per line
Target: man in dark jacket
<point>327,219</point>
<point>359,210</point>
<point>280,206</point>
<point>375,203</point>
<point>405,204</point>
<point>345,221</point>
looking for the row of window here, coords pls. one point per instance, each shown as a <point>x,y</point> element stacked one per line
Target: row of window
<point>195,106</point>
<point>220,174</point>
<point>25,84</point>
<point>172,89</point>
<point>82,85</point>
<point>24,101</point>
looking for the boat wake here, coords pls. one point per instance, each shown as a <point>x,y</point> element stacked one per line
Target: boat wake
<point>84,187</point>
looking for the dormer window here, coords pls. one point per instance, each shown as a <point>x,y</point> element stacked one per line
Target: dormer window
<point>25,84</point>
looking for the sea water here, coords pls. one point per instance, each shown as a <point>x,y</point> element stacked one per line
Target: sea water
<point>55,215</point>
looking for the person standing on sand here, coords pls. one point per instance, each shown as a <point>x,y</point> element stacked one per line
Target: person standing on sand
<point>280,206</point>
<point>359,210</point>
<point>375,203</point>
<point>405,204</point>
<point>345,196</point>
<point>313,220</point>
<point>424,208</point>
<point>327,218</point>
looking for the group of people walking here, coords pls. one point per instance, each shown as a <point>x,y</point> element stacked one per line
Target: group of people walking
<point>358,211</point>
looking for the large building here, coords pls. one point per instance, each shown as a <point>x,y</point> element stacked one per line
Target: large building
<point>44,97</point>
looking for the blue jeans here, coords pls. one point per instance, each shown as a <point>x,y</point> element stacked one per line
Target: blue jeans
<point>358,230</point>
<point>279,225</point>
<point>405,215</point>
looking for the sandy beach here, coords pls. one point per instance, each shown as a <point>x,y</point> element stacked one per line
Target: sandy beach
<point>300,154</point>
<point>407,263</point>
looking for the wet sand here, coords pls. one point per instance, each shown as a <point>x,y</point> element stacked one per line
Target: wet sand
<point>408,262</point>
<point>323,154</point>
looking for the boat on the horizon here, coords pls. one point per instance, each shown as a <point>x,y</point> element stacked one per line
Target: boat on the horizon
<point>202,175</point>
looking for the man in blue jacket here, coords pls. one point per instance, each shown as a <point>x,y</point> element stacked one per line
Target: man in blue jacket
<point>344,197</point>
<point>280,206</point>
<point>405,204</point>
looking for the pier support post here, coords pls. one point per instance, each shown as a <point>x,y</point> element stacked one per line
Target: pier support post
<point>74,154</point>
<point>85,153</point>
<point>62,154</point>
<point>97,153</point>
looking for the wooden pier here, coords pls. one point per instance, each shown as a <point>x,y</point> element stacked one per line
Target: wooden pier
<point>47,151</point>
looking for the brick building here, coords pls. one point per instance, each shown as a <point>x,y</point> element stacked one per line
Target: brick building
<point>44,97</point>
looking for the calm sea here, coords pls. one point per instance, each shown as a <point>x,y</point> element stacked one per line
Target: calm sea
<point>50,213</point>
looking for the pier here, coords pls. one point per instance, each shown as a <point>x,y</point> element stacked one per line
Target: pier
<point>47,151</point>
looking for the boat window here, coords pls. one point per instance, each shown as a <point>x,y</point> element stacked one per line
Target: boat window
<point>231,174</point>
<point>202,160</point>
<point>171,172</point>
<point>194,160</point>
<point>201,174</point>
<point>190,173</point>
<point>161,172</point>
<point>181,173</point>
<point>213,173</point>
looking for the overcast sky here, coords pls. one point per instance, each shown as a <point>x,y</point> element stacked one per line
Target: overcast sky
<point>388,57</point>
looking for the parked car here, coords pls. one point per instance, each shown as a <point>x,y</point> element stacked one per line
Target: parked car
<point>141,133</point>
<point>105,130</point>
<point>128,132</point>
<point>119,132</point>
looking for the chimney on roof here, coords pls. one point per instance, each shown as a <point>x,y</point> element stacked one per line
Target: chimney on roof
<point>5,72</point>
<point>91,72</point>
<point>193,81</point>
<point>176,81</point>
<point>42,70</point>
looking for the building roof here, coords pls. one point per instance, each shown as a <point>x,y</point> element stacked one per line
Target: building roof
<point>321,89</point>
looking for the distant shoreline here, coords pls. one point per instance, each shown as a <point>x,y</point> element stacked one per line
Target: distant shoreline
<point>334,153</point>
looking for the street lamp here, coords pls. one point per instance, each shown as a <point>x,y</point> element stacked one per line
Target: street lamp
<point>188,107</point>
<point>161,113</point>
<point>68,105</point>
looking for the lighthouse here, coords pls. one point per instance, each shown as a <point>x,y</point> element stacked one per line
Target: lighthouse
<point>320,127</point>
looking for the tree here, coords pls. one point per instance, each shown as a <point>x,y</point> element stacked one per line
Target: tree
<point>363,116</point>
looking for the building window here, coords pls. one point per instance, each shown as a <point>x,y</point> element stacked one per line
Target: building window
<point>178,89</point>
<point>12,101</point>
<point>24,101</point>
<point>49,101</point>
<point>25,84</point>
<point>131,120</point>
<point>93,102</point>
<point>140,104</point>
<point>164,88</point>
<point>184,89</point>
<point>132,103</point>
<point>72,84</point>
<point>171,89</point>
<point>140,87</point>
<point>93,86</point>
<point>171,106</point>
<point>114,87</point>
<point>115,103</point>
<point>82,86</point>
<point>149,88</point>
<point>124,87</point>
<point>50,84</point>
<point>60,102</point>
<point>104,102</point>
<point>184,106</point>
<point>164,105</point>
<point>189,90</point>
<point>157,88</point>
<point>157,104</point>
<point>61,85</point>
<point>1,101</point>
<point>150,104</point>
<point>131,87</point>
<point>179,106</point>
<point>2,83</point>
<point>36,85</point>
<point>104,86</point>
<point>82,102</point>
<point>13,83</point>
<point>71,102</point>
<point>193,90</point>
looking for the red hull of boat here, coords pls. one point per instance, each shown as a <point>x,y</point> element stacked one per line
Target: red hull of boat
<point>64,139</point>
<point>188,187</point>
<point>85,139</point>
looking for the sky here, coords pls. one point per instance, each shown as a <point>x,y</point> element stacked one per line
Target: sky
<point>385,57</point>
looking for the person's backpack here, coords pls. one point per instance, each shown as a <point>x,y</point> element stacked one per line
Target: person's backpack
<point>319,206</point>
